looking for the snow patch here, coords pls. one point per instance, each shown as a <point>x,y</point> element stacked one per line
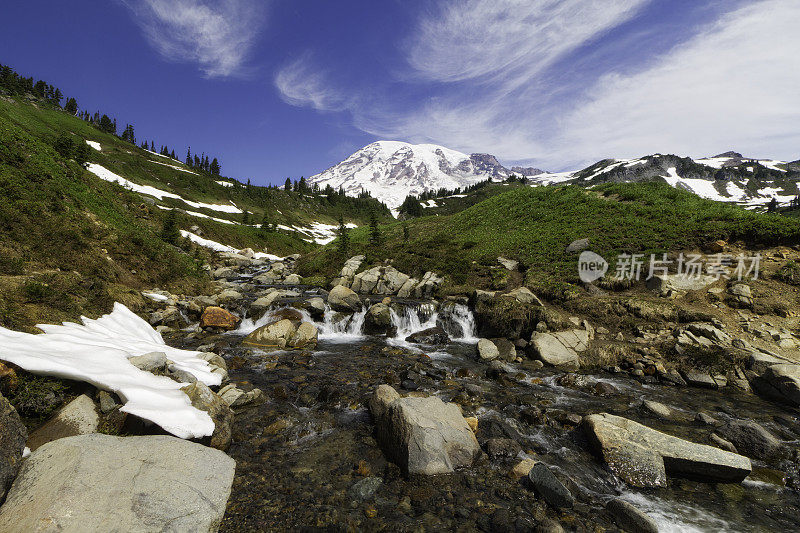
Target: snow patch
<point>175,167</point>
<point>155,296</point>
<point>429,203</point>
<point>225,183</point>
<point>208,243</point>
<point>97,352</point>
<point>95,145</point>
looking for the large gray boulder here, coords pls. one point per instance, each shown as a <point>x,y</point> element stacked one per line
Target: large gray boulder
<point>343,299</point>
<point>752,440</point>
<point>12,443</point>
<point>305,336</point>
<point>366,282</point>
<point>524,296</point>
<point>422,435</point>
<point>642,456</point>
<point>785,379</point>
<point>348,271</point>
<point>218,409</point>
<point>275,335</point>
<point>550,349</point>
<point>133,484</point>
<point>378,319</point>
<point>428,286</point>
<point>79,417</point>
<point>630,518</point>
<point>487,350</point>
<point>679,282</point>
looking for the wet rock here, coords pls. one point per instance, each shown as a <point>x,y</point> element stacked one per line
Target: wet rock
<point>549,526</point>
<point>752,439</point>
<point>79,417</point>
<point>549,487</point>
<point>423,435</point>
<point>268,300</point>
<point>364,489</point>
<point>522,468</point>
<point>506,348</point>
<point>785,379</point>
<point>629,518</point>
<point>550,350</point>
<point>721,443</point>
<point>501,521</point>
<point>218,317</point>
<point>604,388</point>
<point>704,419</point>
<point>150,362</point>
<point>12,444</point>
<point>305,336</point>
<point>487,350</point>
<point>499,447</point>
<point>293,279</point>
<point>168,483</point>
<point>378,319</point>
<point>659,410</point>
<point>380,400</point>
<point>700,380</point>
<point>642,456</point>
<point>236,397</point>
<point>228,296</point>
<point>315,307</point>
<point>433,336</point>
<point>220,412</point>
<point>274,335</point>
<point>343,299</point>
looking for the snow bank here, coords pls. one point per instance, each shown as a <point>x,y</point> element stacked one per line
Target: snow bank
<point>208,243</point>
<point>95,145</point>
<point>202,215</point>
<point>225,183</point>
<point>97,352</point>
<point>175,167</point>
<point>155,296</point>
<point>105,174</point>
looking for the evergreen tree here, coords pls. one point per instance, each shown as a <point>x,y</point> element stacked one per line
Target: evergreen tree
<point>266,225</point>
<point>64,145</point>
<point>374,231</point>
<point>107,125</point>
<point>169,231</point>
<point>215,167</point>
<point>81,152</point>
<point>405,231</point>
<point>71,106</point>
<point>344,238</point>
<point>246,217</point>
<point>189,157</point>
<point>57,96</point>
<point>411,207</point>
<point>287,186</point>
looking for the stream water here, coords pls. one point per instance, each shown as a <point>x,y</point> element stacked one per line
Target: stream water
<point>307,458</point>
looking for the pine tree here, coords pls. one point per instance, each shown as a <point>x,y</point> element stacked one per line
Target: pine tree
<point>374,231</point>
<point>107,126</point>
<point>57,96</point>
<point>246,217</point>
<point>71,106</point>
<point>266,226</point>
<point>189,157</point>
<point>169,231</point>
<point>287,186</point>
<point>344,238</point>
<point>215,170</point>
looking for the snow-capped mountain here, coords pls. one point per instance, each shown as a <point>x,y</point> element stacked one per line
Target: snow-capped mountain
<point>727,177</point>
<point>391,170</point>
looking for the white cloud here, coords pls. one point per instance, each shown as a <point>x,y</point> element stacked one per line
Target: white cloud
<point>301,83</point>
<point>732,86</point>
<point>218,36</point>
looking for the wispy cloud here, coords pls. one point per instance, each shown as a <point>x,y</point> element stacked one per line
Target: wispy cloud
<point>303,83</point>
<point>216,35</point>
<point>732,86</point>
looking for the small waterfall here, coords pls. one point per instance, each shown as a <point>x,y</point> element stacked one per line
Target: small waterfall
<point>462,317</point>
<point>413,320</point>
<point>345,329</point>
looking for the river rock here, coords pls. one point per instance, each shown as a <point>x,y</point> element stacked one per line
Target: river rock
<point>378,319</point>
<point>423,435</point>
<point>433,336</point>
<point>428,286</point>
<point>752,439</point>
<point>305,336</point>
<point>642,456</point>
<point>220,412</point>
<point>629,518</point>
<point>785,379</point>
<point>522,468</point>
<point>12,444</point>
<point>506,349</point>
<point>550,350</point>
<point>348,271</point>
<point>150,362</point>
<point>228,296</point>
<point>343,299</point>
<point>315,307</point>
<point>218,317</point>
<point>103,483</point>
<point>659,410</point>
<point>268,300</point>
<point>236,397</point>
<point>547,485</point>
<point>274,335</point>
<point>487,350</point>
<point>78,417</point>
<point>293,279</point>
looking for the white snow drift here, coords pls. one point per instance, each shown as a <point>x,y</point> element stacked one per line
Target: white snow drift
<point>98,351</point>
<point>95,145</point>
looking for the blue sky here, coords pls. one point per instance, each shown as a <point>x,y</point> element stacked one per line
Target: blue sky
<point>279,88</point>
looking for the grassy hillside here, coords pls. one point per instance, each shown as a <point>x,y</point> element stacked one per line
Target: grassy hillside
<point>534,226</point>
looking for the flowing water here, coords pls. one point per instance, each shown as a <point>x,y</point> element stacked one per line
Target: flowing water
<point>307,457</point>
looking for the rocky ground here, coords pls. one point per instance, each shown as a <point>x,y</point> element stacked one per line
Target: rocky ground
<point>377,405</point>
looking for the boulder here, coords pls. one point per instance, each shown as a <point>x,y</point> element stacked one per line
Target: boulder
<point>12,444</point>
<point>434,336</point>
<point>288,313</point>
<point>423,435</point>
<point>577,246</point>
<point>483,296</point>
<point>550,350</point>
<point>428,286</point>
<point>524,296</point>
<point>642,456</point>
<point>268,300</point>
<point>487,350</point>
<point>629,518</point>
<point>220,412</point>
<point>274,335</point>
<point>378,319</point>
<point>305,336</point>
<point>293,279</point>
<point>547,485</point>
<point>574,339</point>
<point>79,417</point>
<point>392,280</point>
<point>343,299</point>
<point>150,362</point>
<point>367,281</point>
<point>104,483</point>
<point>218,317</point>
<point>228,296</point>
<point>752,439</point>
<point>408,288</point>
<point>348,271</point>
<point>236,397</point>
<point>508,264</point>
<point>315,307</point>
<point>785,379</point>
<point>679,282</point>
<point>506,348</point>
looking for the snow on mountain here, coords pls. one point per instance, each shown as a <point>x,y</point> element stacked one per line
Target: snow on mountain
<point>391,170</point>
